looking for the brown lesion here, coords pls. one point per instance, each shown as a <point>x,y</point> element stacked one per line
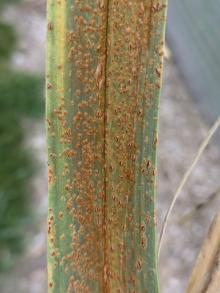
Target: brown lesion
<point>50,175</point>
<point>50,26</point>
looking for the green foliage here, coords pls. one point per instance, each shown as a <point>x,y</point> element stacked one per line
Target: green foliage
<point>16,169</point>
<point>20,96</point>
<point>3,2</point>
<point>7,40</point>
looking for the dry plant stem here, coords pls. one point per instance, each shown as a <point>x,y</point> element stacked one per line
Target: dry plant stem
<point>206,274</point>
<point>185,178</point>
<point>104,66</point>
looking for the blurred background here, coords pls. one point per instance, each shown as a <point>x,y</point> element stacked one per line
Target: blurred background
<point>190,103</point>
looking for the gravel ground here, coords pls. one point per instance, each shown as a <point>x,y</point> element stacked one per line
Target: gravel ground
<point>181,131</point>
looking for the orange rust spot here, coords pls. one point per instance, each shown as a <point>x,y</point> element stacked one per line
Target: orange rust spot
<point>70,153</point>
<point>69,204</point>
<point>139,264</point>
<point>67,187</point>
<point>53,253</point>
<point>156,7</point>
<point>62,237</point>
<point>49,86</point>
<point>128,30</point>
<point>60,215</point>
<point>100,83</point>
<point>148,218</point>
<point>78,92</point>
<point>101,4</point>
<point>50,175</point>
<point>50,285</point>
<point>50,26</point>
<point>158,71</point>
<point>98,74</point>
<point>99,114</point>
<point>105,273</point>
<point>143,243</point>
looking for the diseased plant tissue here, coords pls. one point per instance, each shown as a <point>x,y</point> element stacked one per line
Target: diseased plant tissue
<point>104,65</point>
